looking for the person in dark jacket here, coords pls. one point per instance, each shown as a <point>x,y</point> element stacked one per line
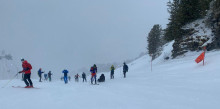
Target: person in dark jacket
<point>65,72</point>
<point>27,73</point>
<point>125,69</point>
<point>101,78</point>
<point>84,77</point>
<point>40,74</point>
<point>112,72</point>
<point>93,71</point>
<point>49,75</point>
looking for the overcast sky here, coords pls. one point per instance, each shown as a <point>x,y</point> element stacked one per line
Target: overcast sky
<point>57,34</point>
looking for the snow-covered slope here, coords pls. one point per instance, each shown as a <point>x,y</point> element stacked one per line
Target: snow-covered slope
<point>173,84</point>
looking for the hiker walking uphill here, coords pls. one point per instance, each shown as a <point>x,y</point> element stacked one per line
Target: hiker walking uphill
<point>125,69</point>
<point>27,73</point>
<point>112,72</point>
<point>40,74</point>
<point>49,75</point>
<point>84,77</point>
<point>93,71</point>
<point>65,72</point>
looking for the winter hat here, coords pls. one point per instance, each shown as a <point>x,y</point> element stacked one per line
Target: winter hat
<point>22,59</point>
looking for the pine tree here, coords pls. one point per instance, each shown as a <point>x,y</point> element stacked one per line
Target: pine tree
<point>189,11</point>
<point>216,25</point>
<point>153,40</point>
<point>173,27</point>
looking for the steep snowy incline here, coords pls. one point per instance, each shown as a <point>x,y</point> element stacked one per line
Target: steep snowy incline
<point>173,84</point>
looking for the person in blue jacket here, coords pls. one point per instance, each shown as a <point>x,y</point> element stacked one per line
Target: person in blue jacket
<point>65,72</point>
<point>40,74</point>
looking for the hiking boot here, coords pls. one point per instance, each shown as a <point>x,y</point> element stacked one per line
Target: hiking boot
<point>26,86</point>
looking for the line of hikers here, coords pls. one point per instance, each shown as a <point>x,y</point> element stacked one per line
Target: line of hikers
<point>27,74</point>
<point>93,71</point>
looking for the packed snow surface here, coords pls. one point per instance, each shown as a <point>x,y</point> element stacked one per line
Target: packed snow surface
<point>173,84</point>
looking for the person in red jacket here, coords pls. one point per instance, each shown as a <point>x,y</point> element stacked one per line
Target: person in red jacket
<point>27,73</point>
<point>93,71</point>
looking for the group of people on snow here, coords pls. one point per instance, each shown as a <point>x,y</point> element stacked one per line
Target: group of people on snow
<point>46,76</point>
<point>125,69</point>
<point>83,77</point>
<point>76,77</point>
<point>93,71</point>
<point>27,74</point>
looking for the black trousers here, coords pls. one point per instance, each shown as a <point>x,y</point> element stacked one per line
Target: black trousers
<point>27,79</point>
<point>112,75</point>
<point>84,79</point>
<point>124,74</point>
<point>92,79</point>
<point>40,77</point>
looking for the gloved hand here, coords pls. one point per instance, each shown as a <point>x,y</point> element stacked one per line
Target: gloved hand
<point>20,72</point>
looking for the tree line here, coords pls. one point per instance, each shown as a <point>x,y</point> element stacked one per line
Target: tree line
<point>181,13</point>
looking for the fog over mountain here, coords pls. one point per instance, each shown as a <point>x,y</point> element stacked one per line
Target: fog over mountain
<point>72,34</point>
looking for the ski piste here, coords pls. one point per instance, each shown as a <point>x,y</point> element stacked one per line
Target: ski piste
<point>25,88</point>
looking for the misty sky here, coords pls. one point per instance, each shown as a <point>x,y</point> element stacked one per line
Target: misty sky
<point>57,34</point>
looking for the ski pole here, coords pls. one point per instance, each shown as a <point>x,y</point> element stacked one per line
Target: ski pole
<point>9,81</point>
